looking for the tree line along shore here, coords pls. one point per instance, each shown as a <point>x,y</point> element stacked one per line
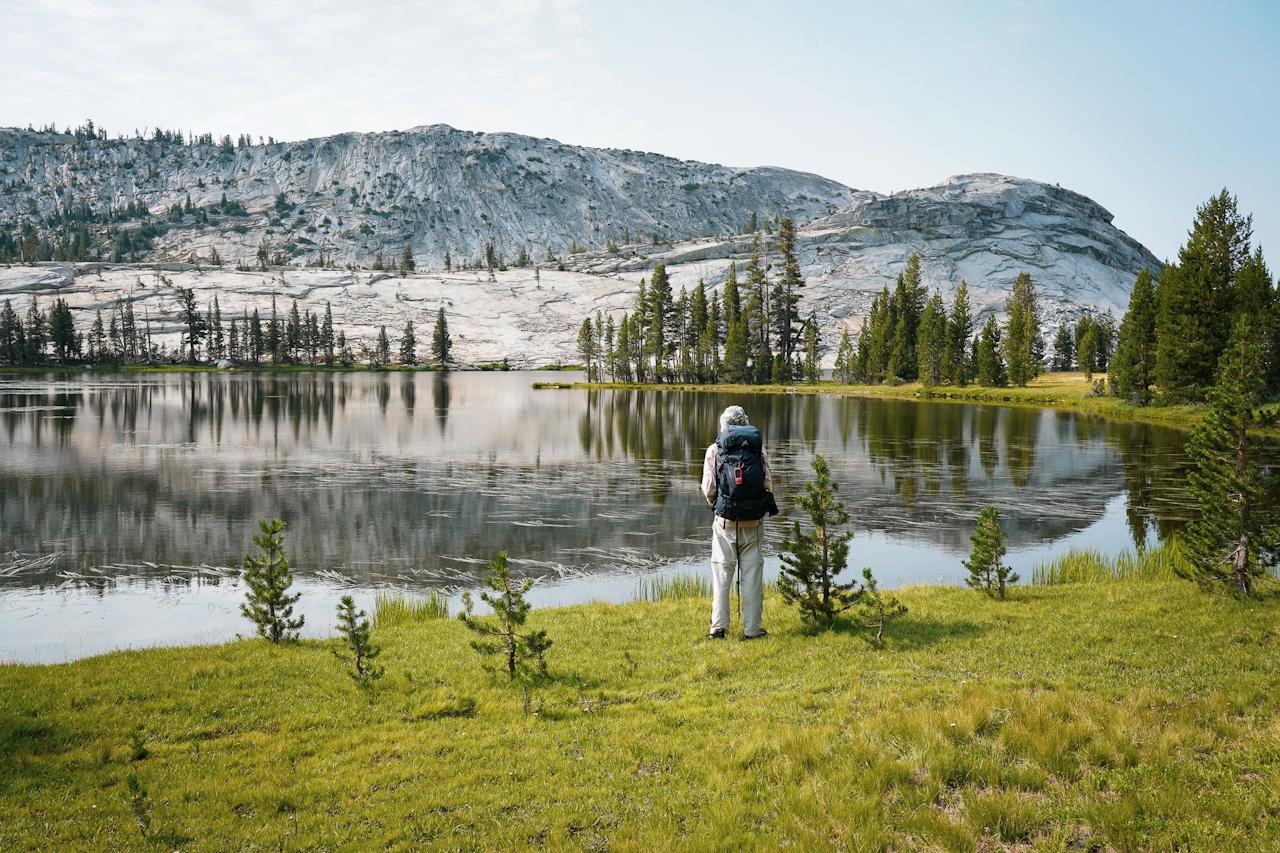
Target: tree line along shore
<point>1165,351</point>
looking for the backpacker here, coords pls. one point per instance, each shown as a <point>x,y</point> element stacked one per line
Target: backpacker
<point>740,475</point>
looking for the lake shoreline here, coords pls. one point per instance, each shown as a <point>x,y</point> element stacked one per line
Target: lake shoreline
<point>1062,391</point>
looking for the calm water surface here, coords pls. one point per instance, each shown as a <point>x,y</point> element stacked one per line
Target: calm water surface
<point>127,500</point>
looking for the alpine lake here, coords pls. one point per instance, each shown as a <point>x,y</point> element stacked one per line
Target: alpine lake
<point>128,500</point>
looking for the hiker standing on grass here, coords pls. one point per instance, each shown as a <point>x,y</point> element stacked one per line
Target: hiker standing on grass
<point>737,482</point>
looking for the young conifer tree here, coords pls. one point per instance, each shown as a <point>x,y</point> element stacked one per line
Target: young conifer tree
<point>408,345</point>
<point>846,359</point>
<point>986,571</point>
<point>441,343</point>
<point>502,634</point>
<point>877,609</point>
<point>1022,344</point>
<point>931,341</point>
<point>812,370</point>
<point>957,369</point>
<point>382,352</point>
<point>587,348</point>
<point>360,649</point>
<point>1132,368</point>
<point>987,360</point>
<point>1064,348</point>
<point>1233,543</point>
<point>268,602</point>
<point>812,561</point>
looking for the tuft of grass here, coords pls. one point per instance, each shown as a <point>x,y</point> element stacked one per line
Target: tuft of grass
<point>399,609</point>
<point>672,587</point>
<point>1089,566</point>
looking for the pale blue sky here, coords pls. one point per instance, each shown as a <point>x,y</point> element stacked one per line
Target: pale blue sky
<point>1148,108</point>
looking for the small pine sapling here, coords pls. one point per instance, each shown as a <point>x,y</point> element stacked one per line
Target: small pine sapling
<point>877,609</point>
<point>361,651</point>
<point>138,744</point>
<point>812,561</point>
<point>986,571</point>
<point>525,653</point>
<point>269,605</point>
<point>138,802</point>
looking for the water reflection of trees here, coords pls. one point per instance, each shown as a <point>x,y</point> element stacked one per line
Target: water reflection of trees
<point>923,467</point>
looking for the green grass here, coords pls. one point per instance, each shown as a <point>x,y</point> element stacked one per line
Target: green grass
<point>1091,716</point>
<point>1090,566</point>
<point>398,609</point>
<point>1053,390</point>
<point>672,587</point>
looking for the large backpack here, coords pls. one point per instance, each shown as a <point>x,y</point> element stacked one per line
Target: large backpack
<point>740,475</point>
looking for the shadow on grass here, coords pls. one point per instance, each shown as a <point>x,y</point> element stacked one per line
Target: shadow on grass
<point>904,633</point>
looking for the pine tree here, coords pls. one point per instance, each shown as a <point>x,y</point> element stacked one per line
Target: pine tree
<point>233,342</point>
<point>986,571</point>
<point>812,370</point>
<point>737,364</point>
<point>441,343</point>
<point>406,260</point>
<point>877,609</point>
<point>1233,541</point>
<point>268,602</point>
<point>908,300</point>
<point>755,311</point>
<point>1132,368</point>
<point>448,261</point>
<point>326,336</point>
<point>35,331</point>
<point>1196,299</point>
<point>659,318</point>
<point>987,360</point>
<point>524,653</point>
<point>785,299</point>
<point>193,324</point>
<point>846,359</point>
<point>97,339</point>
<point>357,640</point>
<point>587,348</point>
<point>1064,349</point>
<point>256,341</point>
<point>382,350</point>
<point>1023,349</point>
<point>1087,345</point>
<point>932,341</point>
<point>62,332</point>
<point>274,338</point>
<point>811,562</point>
<point>293,335</point>
<point>217,343</point>
<point>408,345</point>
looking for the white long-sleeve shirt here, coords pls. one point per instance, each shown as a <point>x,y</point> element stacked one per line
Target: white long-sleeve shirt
<point>711,487</point>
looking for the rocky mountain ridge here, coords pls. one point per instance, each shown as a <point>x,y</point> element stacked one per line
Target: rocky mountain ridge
<point>343,199</point>
<point>442,190</point>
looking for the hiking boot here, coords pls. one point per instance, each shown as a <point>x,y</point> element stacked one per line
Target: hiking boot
<point>763,633</point>
<point>717,634</point>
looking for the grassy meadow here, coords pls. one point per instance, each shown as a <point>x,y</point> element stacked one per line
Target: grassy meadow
<point>1137,713</point>
<point>1071,391</point>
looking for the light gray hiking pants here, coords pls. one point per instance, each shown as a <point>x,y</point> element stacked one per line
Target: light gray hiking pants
<point>741,547</point>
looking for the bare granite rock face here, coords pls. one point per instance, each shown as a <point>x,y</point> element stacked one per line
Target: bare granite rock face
<point>434,188</point>
<point>983,229</point>
<point>438,189</point>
